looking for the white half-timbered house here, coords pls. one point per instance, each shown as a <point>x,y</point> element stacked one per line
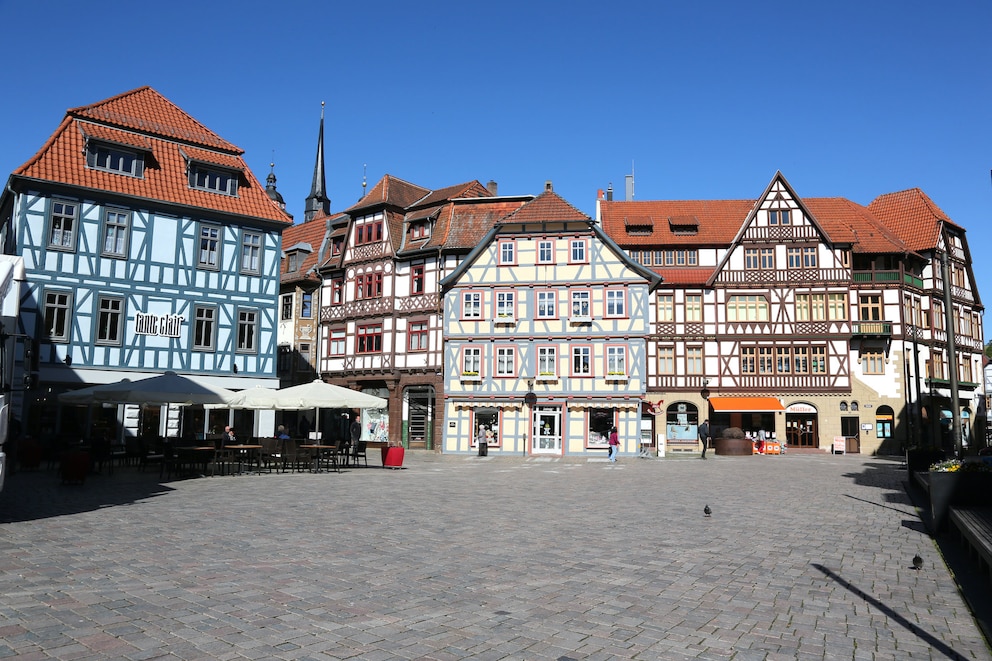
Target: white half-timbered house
<point>380,307</point>
<point>814,320</point>
<point>148,246</point>
<point>545,327</point>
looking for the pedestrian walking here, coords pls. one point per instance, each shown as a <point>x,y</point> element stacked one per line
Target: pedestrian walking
<point>704,436</point>
<point>614,444</point>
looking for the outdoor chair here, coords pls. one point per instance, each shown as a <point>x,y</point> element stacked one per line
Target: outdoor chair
<point>361,452</point>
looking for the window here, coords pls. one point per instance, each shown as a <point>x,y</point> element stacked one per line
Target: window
<point>337,342</point>
<point>873,361</point>
<point>578,251</point>
<point>247,331</point>
<point>666,308</point>
<point>767,258</point>
<point>203,328</point>
<point>747,308</point>
<point>748,360</point>
<point>285,359</point>
<point>471,361</point>
<point>870,307</point>
<point>115,232</point>
<point>368,285</point>
<point>751,261</point>
<point>692,257</point>
<point>417,336</point>
<point>337,291</point>
<point>303,365</point>
<point>204,178</point>
<point>110,318</point>
<point>286,307</point>
<point>964,370</point>
<point>810,259</point>
<point>811,307</point>
<point>545,252</point>
<point>547,362</point>
<point>58,315</point>
<point>800,360</point>
<point>505,305</point>
<point>694,360</point>
<point>783,360</point>
<point>471,305</point>
<point>114,159</point>
<point>766,361</point>
<point>616,303</point>
<point>506,361</point>
<point>795,257</point>
<point>547,304</point>
<point>420,230</point>
<point>779,217</point>
<point>581,304</point>
<point>616,361</point>
<point>63,227</point>
<point>669,258</point>
<point>837,307</point>
<point>368,230</point>
<point>251,252</point>
<point>209,256</point>
<point>369,338</point>
<point>666,360</point>
<point>818,360</point>
<point>938,315</point>
<point>659,257</point>
<point>293,261</point>
<point>937,366</point>
<point>693,307</point>
<point>417,279</point>
<point>306,305</point>
<point>581,361</point>
<point>507,253</point>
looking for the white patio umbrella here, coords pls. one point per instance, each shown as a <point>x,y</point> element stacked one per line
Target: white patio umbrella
<point>322,395</point>
<point>257,398</point>
<point>168,388</point>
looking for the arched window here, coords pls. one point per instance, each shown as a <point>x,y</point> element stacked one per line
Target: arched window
<point>854,406</point>
<point>843,406</point>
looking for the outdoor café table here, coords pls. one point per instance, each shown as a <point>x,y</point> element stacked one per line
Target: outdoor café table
<point>247,452</point>
<point>315,452</point>
<point>191,456</point>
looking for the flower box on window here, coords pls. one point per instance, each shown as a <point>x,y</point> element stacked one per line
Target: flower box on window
<point>616,376</point>
<point>547,376</point>
<point>471,376</point>
<point>580,319</point>
<point>505,319</point>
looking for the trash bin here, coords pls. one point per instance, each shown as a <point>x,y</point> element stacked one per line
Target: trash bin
<point>483,448</point>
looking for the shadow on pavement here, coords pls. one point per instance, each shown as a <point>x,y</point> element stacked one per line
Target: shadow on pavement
<point>32,495</point>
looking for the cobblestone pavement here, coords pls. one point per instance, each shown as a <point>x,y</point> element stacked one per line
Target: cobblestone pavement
<point>454,557</point>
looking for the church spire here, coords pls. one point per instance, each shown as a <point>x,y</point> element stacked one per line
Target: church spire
<point>318,200</point>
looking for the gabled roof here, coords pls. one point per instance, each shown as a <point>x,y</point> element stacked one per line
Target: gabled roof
<point>718,221</point>
<point>390,191</point>
<point>462,224</point>
<point>845,221</point>
<point>468,189</point>
<point>548,207</point>
<point>912,216</point>
<point>168,137</point>
<point>311,233</point>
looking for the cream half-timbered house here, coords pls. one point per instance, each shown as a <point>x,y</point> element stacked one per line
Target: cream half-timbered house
<point>148,246</point>
<point>545,327</point>
<point>812,320</point>
<point>380,307</point>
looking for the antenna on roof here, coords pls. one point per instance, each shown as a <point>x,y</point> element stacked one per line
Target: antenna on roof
<point>365,170</point>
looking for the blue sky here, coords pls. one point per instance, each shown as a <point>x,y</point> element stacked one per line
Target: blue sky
<point>704,100</point>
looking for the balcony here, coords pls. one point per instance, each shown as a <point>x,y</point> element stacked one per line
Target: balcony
<point>872,328</point>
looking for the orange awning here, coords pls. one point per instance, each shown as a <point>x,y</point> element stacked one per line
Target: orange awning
<point>745,404</point>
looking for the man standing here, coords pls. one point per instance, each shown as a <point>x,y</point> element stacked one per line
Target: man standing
<point>704,436</point>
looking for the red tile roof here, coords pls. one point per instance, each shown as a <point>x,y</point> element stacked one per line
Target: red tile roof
<point>311,233</point>
<point>549,206</point>
<point>390,191</point>
<point>146,120</point>
<point>463,224</point>
<point>718,221</point>
<point>912,216</point>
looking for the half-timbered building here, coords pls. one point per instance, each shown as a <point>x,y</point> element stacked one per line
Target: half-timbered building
<point>545,329</point>
<point>814,320</point>
<point>380,308</point>
<point>149,246</point>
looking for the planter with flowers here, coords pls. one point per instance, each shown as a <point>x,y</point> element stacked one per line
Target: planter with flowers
<point>955,483</point>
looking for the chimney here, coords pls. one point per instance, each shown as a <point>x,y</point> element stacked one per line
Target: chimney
<point>492,187</point>
<point>548,186</point>
<point>630,186</point>
<point>609,192</point>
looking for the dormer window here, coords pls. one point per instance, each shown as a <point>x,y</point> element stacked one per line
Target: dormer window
<point>293,262</point>
<point>111,158</point>
<point>214,180</point>
<point>683,225</point>
<point>420,230</point>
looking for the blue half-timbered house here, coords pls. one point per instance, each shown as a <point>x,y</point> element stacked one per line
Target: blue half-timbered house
<point>148,246</point>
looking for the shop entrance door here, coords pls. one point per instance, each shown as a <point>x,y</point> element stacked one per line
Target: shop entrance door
<point>547,430</point>
<point>801,430</point>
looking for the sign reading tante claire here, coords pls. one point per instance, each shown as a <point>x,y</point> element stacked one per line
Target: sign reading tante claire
<point>166,325</point>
